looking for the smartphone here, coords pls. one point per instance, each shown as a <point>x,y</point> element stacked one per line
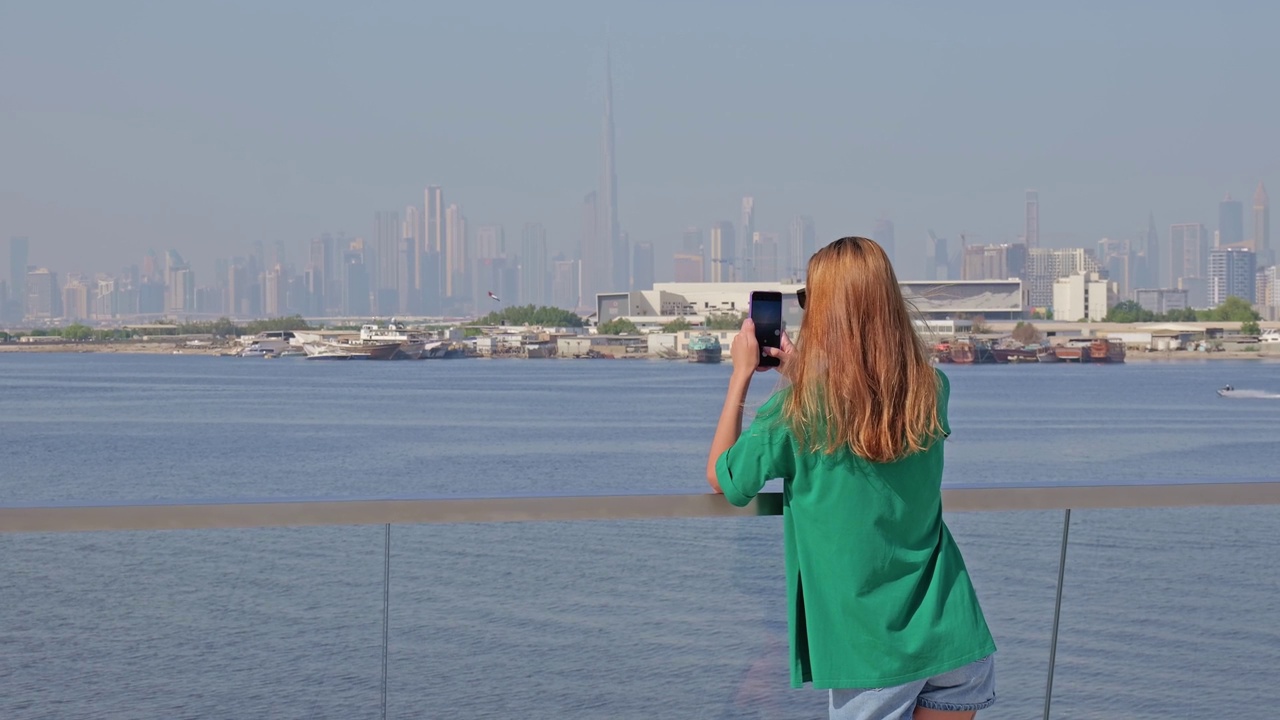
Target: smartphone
<point>766,313</point>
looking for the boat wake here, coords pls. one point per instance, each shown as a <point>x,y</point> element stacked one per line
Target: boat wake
<point>1250,394</point>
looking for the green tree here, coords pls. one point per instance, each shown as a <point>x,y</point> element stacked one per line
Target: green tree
<point>677,325</point>
<point>77,332</point>
<point>1250,327</point>
<point>531,315</point>
<point>292,322</point>
<point>5,337</point>
<point>1129,312</point>
<point>725,321</point>
<point>621,326</point>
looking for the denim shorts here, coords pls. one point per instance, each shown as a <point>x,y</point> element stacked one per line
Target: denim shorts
<point>972,687</point>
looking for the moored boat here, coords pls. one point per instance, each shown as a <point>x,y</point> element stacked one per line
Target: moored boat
<point>971,351</point>
<point>1106,351</point>
<point>705,348</point>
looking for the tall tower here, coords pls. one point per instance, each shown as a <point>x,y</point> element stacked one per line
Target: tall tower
<point>1032,232</point>
<point>1262,226</point>
<point>617,275</point>
<point>747,258</point>
<point>435,269</point>
<point>1151,261</point>
<point>1230,222</point>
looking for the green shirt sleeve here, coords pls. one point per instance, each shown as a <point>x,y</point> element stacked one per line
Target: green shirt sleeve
<point>762,453</point>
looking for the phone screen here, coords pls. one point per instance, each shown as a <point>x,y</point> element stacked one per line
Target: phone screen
<point>766,313</point>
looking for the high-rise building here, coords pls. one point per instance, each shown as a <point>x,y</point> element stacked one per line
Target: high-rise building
<point>1081,296</point>
<point>408,298</point>
<point>882,233</point>
<point>687,268</point>
<point>455,231</point>
<point>355,281</point>
<point>448,260</point>
<point>723,253</point>
<point>1232,273</point>
<point>1047,265</point>
<point>1161,301</point>
<point>1230,222</point>
<point>75,299</point>
<point>491,242</point>
<point>619,256</point>
<point>533,264</point>
<point>1188,251</point>
<point>804,243</point>
<point>691,240</point>
<point>937,263</point>
<point>1116,257</point>
<point>992,262</point>
<point>385,278</point>
<point>764,249</point>
<point>1031,233</point>
<point>1261,244</point>
<point>747,231</point>
<point>19,248</point>
<point>592,254</point>
<point>43,300</point>
<point>642,266</point>
<point>275,286</point>
<point>564,283</point>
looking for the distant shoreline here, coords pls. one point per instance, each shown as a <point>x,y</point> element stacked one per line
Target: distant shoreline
<point>160,348</point>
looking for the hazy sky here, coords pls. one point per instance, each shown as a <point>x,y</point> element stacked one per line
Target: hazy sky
<point>205,126</point>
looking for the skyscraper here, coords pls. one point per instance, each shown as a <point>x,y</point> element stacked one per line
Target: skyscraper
<point>1230,222</point>
<point>387,236</point>
<point>723,259</point>
<point>804,243</point>
<point>533,264</point>
<point>1232,273</point>
<point>1031,234</point>
<point>642,266</point>
<point>747,231</point>
<point>455,230</point>
<point>1261,244</point>
<point>1188,251</point>
<point>618,276</point>
<point>764,248</point>
<point>882,233</point>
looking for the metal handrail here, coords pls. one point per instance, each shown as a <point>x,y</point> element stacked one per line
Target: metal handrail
<point>293,512</point>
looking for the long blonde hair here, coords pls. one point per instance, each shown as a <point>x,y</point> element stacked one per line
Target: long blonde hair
<point>860,377</point>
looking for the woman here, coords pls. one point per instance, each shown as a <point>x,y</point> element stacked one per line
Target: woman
<point>881,609</point>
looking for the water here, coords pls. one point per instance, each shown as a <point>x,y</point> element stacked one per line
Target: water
<point>1167,613</point>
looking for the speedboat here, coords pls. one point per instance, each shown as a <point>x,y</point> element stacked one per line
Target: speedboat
<point>1226,391</point>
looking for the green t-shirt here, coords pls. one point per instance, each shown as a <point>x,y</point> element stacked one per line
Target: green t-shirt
<point>877,591</point>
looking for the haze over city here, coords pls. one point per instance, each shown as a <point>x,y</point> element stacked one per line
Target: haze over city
<point>204,129</point>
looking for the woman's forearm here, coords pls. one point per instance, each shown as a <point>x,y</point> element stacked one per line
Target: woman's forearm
<point>730,425</point>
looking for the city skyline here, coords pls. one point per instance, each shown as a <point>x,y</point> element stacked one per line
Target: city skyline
<point>112,154</point>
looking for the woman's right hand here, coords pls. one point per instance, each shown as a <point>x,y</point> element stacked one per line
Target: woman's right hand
<point>785,353</point>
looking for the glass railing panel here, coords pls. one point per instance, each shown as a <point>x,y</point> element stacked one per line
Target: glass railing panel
<point>1169,613</point>
<point>278,623</point>
<point>667,618</point>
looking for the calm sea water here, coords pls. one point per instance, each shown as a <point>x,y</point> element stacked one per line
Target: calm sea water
<point>1167,613</point>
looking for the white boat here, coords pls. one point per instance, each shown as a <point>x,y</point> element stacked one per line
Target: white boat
<point>1271,336</point>
<point>411,343</point>
<point>270,342</point>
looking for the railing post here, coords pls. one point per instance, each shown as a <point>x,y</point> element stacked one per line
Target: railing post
<point>1057,612</point>
<point>386,611</point>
